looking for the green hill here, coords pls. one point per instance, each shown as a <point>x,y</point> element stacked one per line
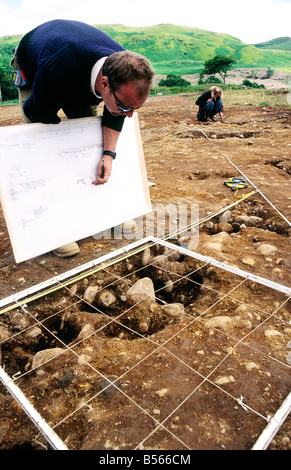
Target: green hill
<point>182,49</point>
<point>280,44</point>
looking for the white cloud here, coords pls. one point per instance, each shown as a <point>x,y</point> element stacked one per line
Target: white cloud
<point>250,20</point>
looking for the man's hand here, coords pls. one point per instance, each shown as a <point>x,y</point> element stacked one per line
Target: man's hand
<point>104,170</point>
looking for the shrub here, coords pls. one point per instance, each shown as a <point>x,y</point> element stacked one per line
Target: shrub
<point>247,83</point>
<point>174,80</point>
<point>211,79</point>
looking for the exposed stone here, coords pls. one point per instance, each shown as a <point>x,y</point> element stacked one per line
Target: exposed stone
<point>249,220</point>
<point>174,310</point>
<point>251,366</point>
<point>86,331</point>
<point>272,333</point>
<point>160,261</point>
<point>243,219</point>
<point>225,217</point>
<point>162,392</point>
<point>255,221</point>
<point>267,250</point>
<point>34,332</point>
<point>4,333</point>
<point>224,380</point>
<point>142,290</point>
<point>43,356</point>
<point>106,298</point>
<point>222,237</point>
<point>169,285</point>
<point>213,246</point>
<point>226,323</point>
<point>248,260</point>
<point>146,256</point>
<point>90,294</point>
<point>222,227</point>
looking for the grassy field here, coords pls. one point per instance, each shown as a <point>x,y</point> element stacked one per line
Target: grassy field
<point>255,97</point>
<point>231,96</point>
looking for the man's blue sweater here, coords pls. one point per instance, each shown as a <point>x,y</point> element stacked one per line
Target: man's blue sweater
<point>57,58</point>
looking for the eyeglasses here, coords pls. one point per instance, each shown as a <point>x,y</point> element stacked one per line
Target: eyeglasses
<point>121,107</point>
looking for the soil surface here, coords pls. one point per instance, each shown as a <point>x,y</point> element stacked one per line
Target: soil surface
<point>185,367</point>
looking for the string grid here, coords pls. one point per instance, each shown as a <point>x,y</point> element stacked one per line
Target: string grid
<point>193,380</point>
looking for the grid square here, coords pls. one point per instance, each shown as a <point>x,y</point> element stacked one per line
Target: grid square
<point>111,370</point>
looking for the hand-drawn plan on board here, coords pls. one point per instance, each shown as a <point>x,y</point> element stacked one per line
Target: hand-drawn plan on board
<point>46,175</point>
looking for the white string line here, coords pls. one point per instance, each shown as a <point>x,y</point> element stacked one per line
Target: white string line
<point>135,251</point>
<point>124,278</point>
<point>114,320</point>
<point>95,370</point>
<point>68,348</point>
<point>14,335</point>
<point>129,397</point>
<point>211,289</point>
<point>205,219</point>
<point>254,186</point>
<point>230,336</point>
<point>239,400</point>
<point>43,287</point>
<point>113,383</point>
<point>185,364</point>
<point>269,315</point>
<point>170,338</point>
<point>129,275</point>
<point>146,357</point>
<point>178,280</point>
<point>81,299</point>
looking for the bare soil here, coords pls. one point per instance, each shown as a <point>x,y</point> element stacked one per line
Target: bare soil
<point>188,162</point>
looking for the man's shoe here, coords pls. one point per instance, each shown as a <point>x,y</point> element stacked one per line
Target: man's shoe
<point>127,227</point>
<point>66,251</point>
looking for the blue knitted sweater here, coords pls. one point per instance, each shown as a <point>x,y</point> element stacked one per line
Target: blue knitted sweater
<point>57,58</point>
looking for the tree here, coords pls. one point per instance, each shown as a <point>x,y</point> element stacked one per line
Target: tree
<point>9,92</point>
<point>219,64</point>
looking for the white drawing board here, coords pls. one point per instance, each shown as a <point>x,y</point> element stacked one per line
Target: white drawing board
<point>46,174</point>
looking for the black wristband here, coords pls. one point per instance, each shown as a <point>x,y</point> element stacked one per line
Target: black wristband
<point>108,152</point>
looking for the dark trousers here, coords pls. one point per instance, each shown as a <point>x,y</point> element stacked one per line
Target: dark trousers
<point>209,110</point>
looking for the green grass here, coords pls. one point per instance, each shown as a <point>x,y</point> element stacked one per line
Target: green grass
<point>233,95</point>
<point>9,102</point>
<point>285,69</point>
<point>282,44</point>
<point>257,97</point>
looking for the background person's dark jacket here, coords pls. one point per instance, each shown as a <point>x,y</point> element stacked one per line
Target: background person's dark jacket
<point>202,100</point>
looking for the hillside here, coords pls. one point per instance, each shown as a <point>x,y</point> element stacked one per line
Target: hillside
<point>280,44</point>
<point>183,49</point>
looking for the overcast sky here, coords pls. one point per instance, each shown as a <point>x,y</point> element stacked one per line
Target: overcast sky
<point>251,21</point>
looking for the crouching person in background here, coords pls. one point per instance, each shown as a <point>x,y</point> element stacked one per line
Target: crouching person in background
<point>210,104</point>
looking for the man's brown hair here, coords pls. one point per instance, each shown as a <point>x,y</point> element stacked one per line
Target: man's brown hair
<point>128,66</point>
